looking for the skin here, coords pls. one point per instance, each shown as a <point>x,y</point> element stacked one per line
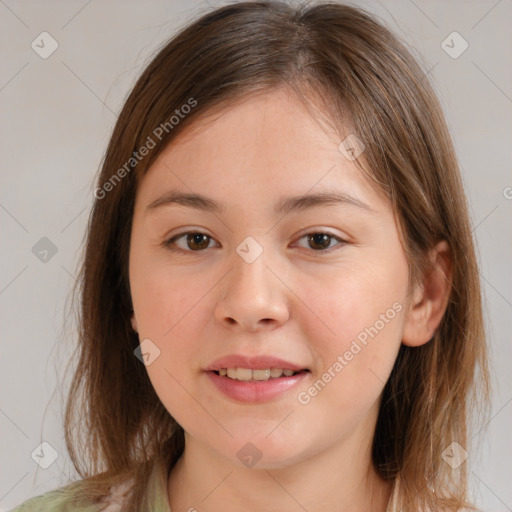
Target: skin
<point>294,302</point>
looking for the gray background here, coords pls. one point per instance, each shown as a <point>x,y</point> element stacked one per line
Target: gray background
<point>57,115</point>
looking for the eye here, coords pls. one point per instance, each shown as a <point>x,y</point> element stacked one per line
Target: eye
<point>319,240</point>
<point>194,240</point>
<point>197,241</point>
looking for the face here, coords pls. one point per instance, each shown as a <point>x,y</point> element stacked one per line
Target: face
<point>321,287</point>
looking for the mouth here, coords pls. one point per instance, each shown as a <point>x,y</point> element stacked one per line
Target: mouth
<point>256,375</point>
<point>255,378</point>
<point>250,385</point>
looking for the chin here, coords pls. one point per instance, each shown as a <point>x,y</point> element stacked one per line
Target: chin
<point>258,451</point>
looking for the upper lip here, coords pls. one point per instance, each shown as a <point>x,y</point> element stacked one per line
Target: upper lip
<point>261,362</point>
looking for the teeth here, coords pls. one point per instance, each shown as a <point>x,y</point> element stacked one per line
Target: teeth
<point>245,374</point>
<point>261,374</point>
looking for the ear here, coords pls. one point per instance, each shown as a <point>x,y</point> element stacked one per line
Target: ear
<point>134,323</point>
<point>429,299</point>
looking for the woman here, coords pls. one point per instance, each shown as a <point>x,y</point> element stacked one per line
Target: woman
<point>280,304</point>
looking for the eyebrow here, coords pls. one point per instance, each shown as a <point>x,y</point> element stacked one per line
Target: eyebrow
<point>284,206</point>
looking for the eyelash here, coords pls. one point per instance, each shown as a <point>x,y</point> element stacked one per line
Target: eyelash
<point>168,243</point>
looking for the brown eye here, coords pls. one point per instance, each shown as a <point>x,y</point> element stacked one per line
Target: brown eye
<point>320,241</point>
<point>195,241</point>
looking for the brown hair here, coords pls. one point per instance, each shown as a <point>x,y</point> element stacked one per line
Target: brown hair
<point>368,83</point>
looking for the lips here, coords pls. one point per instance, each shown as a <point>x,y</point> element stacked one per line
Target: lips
<point>254,391</point>
<point>230,375</point>
<point>253,362</point>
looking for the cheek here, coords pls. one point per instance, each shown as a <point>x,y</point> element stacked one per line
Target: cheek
<point>164,296</point>
<point>355,332</point>
<point>354,301</point>
<point>170,313</point>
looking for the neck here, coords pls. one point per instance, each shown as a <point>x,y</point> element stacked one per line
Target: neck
<point>339,478</point>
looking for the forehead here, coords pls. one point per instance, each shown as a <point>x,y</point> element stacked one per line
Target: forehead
<point>265,147</point>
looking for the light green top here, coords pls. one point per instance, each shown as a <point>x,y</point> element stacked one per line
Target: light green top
<point>156,498</point>
<point>53,501</point>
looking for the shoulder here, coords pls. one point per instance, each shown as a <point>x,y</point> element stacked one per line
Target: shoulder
<point>53,501</point>
<point>64,499</point>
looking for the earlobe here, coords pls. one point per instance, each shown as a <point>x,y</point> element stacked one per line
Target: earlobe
<point>430,299</point>
<point>134,323</point>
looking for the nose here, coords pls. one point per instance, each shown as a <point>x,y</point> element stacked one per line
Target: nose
<point>252,297</point>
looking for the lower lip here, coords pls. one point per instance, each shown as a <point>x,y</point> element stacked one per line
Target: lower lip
<point>255,391</point>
